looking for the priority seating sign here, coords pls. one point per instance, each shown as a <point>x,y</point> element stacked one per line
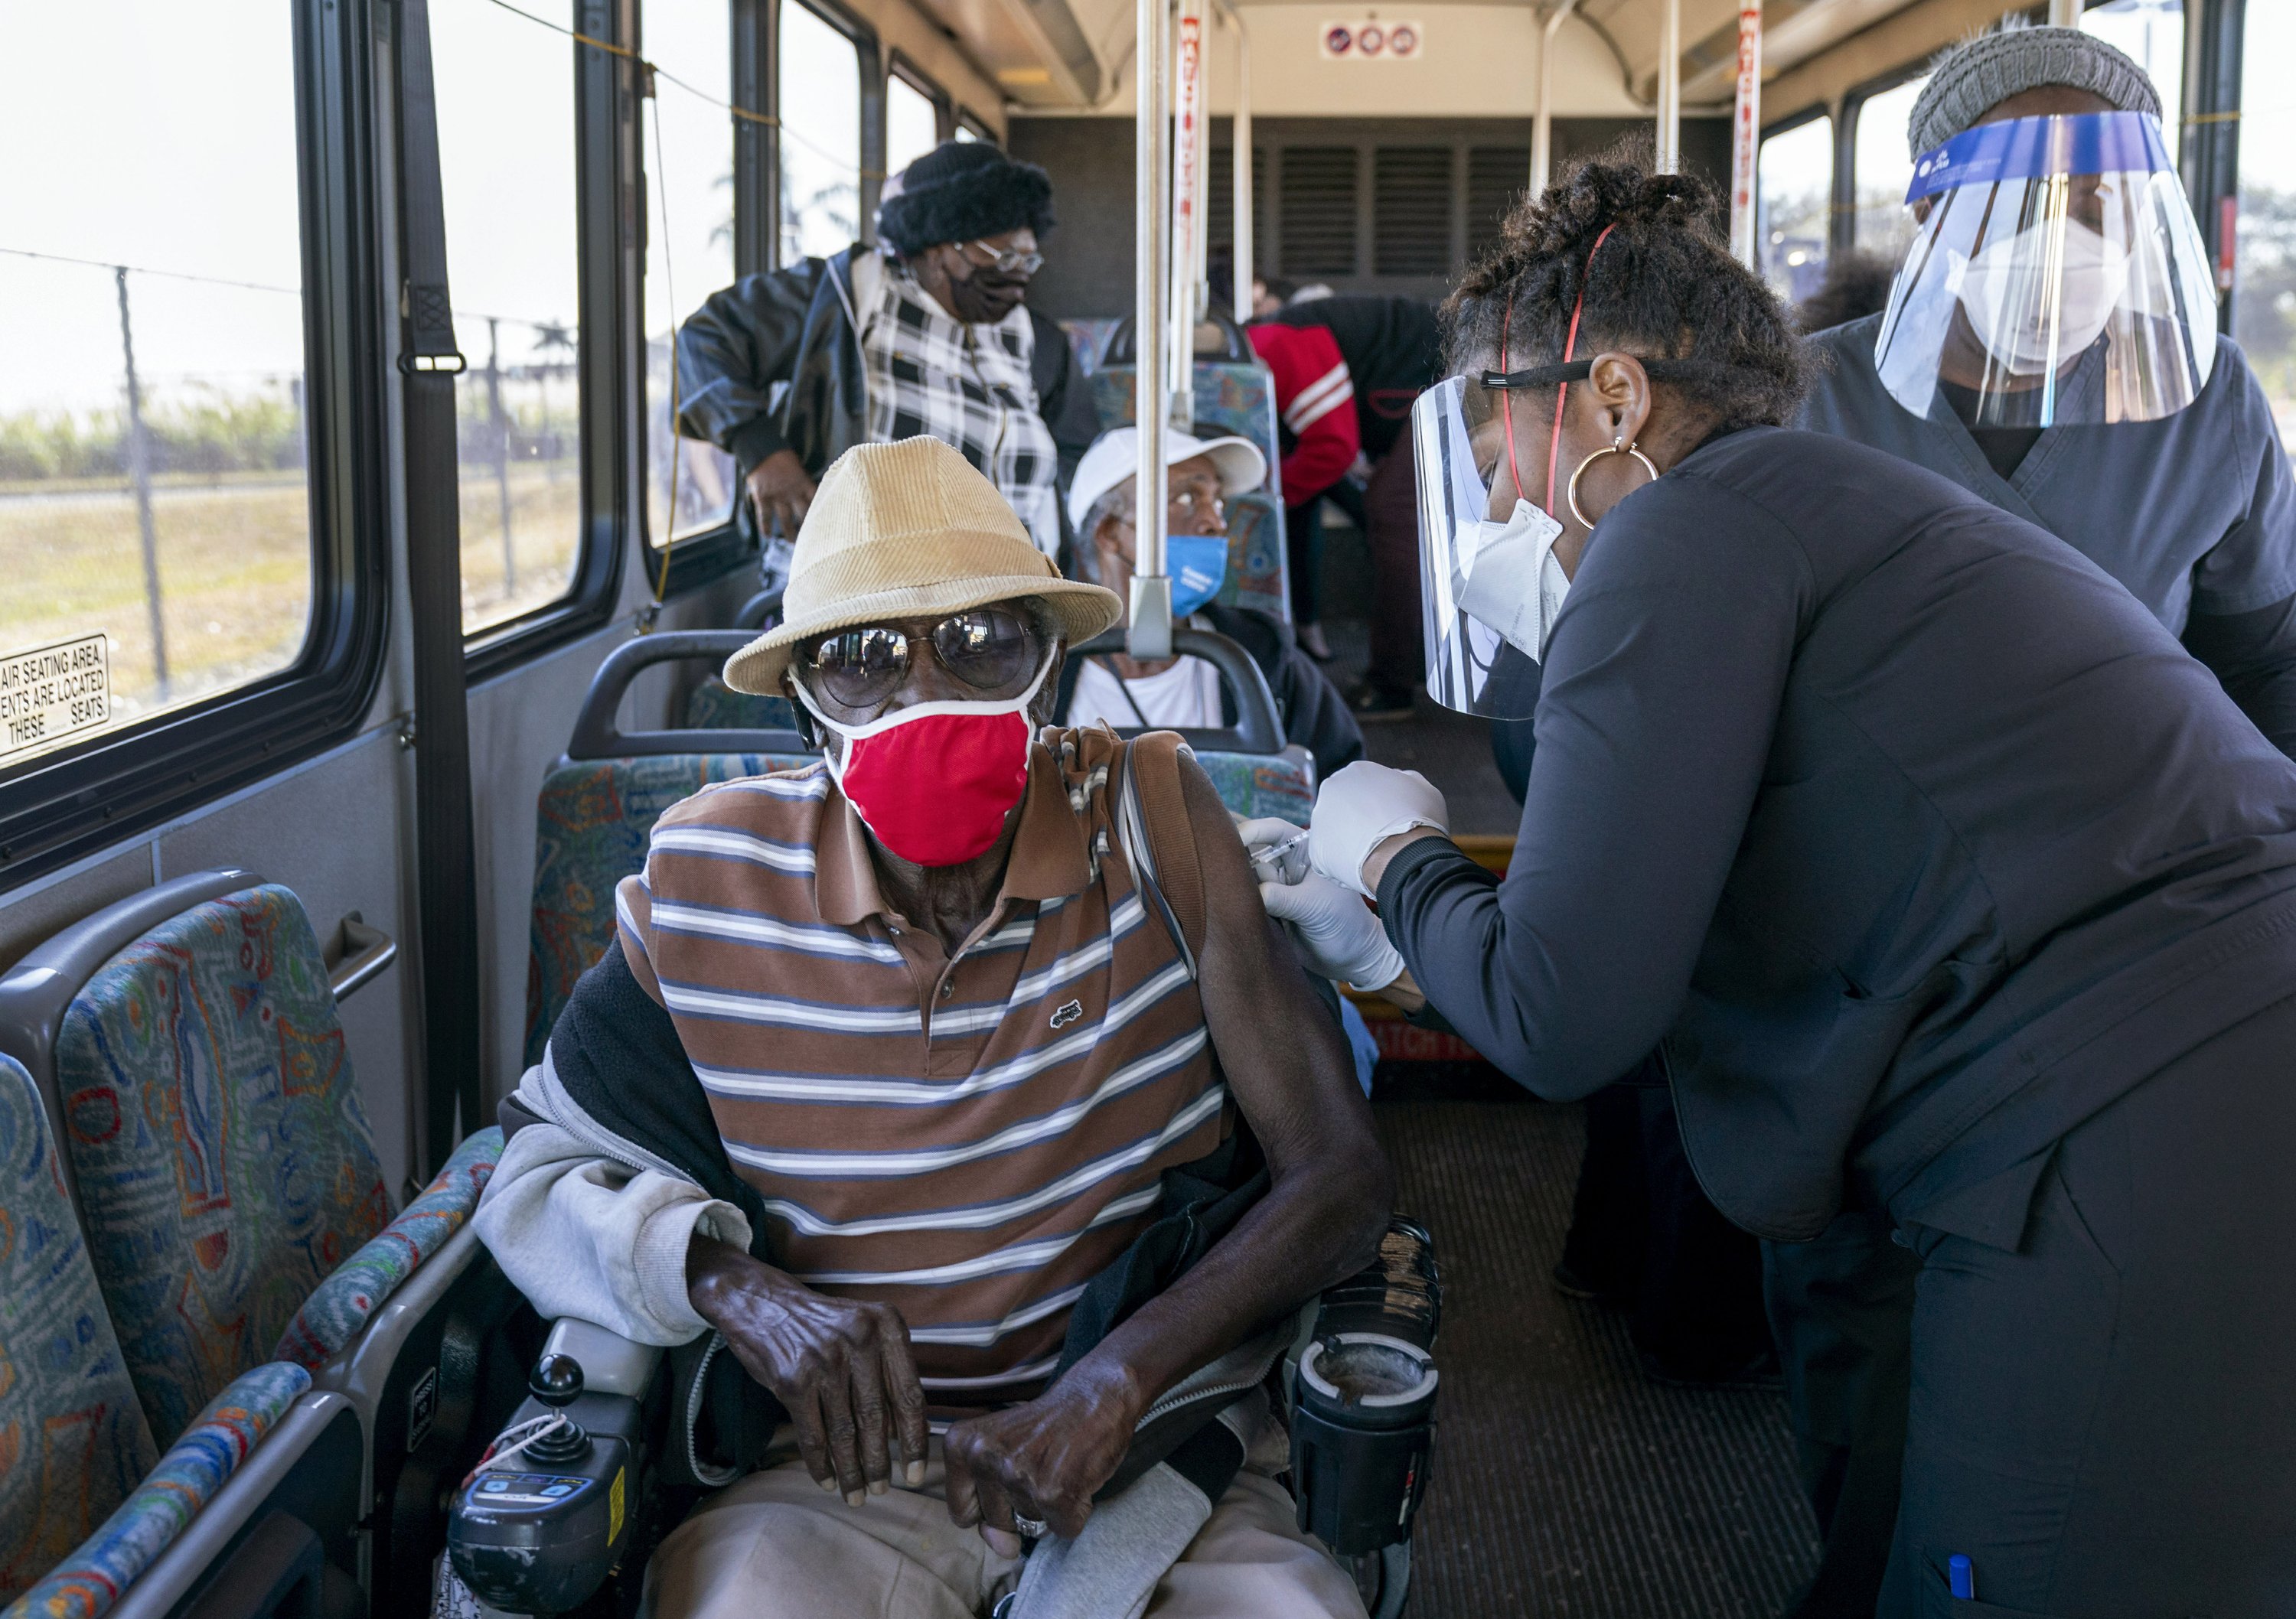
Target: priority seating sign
<point>1373,40</point>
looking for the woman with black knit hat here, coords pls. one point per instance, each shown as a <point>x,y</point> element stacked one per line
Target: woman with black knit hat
<point>928,334</point>
<point>1946,883</point>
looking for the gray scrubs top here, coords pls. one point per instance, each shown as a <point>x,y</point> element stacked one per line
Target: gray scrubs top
<point>2195,513</point>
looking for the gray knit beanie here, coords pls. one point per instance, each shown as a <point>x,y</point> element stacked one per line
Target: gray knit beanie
<point>1981,73</point>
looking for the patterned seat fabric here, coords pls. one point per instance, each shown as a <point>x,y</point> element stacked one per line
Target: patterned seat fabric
<point>73,1440</point>
<point>591,829</point>
<point>336,1313</point>
<point>224,1162</point>
<point>715,705</point>
<point>1088,338</point>
<point>1259,784</point>
<point>1238,399</point>
<point>90,1580</point>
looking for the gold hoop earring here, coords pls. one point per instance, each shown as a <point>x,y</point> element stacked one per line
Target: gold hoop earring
<point>1616,447</point>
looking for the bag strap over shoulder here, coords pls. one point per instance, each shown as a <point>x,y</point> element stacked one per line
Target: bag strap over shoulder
<point>1160,841</point>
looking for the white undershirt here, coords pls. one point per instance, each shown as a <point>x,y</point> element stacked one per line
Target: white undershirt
<point>1185,695</point>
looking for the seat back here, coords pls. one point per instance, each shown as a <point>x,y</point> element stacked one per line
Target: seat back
<point>223,1161</point>
<point>1088,337</point>
<point>73,1438</point>
<point>1238,397</point>
<point>591,829</point>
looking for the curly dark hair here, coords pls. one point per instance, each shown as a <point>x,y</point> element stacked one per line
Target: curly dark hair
<point>1663,287</point>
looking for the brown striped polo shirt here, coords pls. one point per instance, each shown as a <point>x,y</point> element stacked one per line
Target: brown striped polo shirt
<point>969,1138</point>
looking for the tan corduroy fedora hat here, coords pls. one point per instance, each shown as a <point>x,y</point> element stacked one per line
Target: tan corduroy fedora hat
<point>909,530</point>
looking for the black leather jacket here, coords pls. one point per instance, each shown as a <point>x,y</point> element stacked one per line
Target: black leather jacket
<point>773,362</point>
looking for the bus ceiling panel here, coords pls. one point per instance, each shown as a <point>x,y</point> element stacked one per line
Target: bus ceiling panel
<point>1793,31</point>
<point>1037,52</point>
<point>1908,35</point>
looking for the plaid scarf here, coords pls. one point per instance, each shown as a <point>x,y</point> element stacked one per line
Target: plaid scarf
<point>968,386</point>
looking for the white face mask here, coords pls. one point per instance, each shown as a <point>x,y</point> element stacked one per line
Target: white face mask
<point>2007,292</point>
<point>1514,583</point>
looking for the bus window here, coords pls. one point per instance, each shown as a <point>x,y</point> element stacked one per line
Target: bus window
<point>1883,169</point>
<point>506,93</point>
<point>155,525</point>
<point>689,244</point>
<point>821,137</point>
<point>1793,184</point>
<point>911,124</point>
<point>2153,32</point>
<point>2264,305</point>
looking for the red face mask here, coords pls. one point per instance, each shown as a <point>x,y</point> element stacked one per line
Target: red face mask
<point>935,782</point>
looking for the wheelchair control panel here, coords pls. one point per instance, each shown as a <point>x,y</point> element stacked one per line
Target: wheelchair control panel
<point>550,1510</point>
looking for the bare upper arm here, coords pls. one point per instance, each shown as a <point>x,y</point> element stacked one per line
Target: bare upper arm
<point>1285,1058</point>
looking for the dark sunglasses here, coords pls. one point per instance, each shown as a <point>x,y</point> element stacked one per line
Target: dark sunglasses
<point>987,648</point>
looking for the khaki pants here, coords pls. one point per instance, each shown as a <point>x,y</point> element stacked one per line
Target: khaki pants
<point>777,1546</point>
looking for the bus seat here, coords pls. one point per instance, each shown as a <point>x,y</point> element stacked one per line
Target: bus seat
<point>1255,772</point>
<point>1088,337</point>
<point>187,1048</point>
<point>715,706</point>
<point>94,1516</point>
<point>599,803</point>
<point>1238,397</point>
<point>591,827</point>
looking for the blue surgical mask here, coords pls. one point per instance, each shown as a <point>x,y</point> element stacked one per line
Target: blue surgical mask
<point>1198,564</point>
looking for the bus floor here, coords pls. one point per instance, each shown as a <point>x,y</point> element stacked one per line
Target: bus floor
<point>1564,1482</point>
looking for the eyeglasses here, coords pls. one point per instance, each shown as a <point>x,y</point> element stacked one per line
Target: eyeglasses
<point>987,648</point>
<point>1010,261</point>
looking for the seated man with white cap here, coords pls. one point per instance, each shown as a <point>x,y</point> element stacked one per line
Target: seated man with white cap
<point>885,1084</point>
<point>1185,692</point>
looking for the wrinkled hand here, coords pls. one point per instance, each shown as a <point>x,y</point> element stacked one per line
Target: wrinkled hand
<point>1342,938</point>
<point>841,1368</point>
<point>1040,1460</point>
<point>1363,804</point>
<point>781,492</point>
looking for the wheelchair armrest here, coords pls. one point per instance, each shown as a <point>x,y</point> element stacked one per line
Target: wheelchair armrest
<point>612,1364</point>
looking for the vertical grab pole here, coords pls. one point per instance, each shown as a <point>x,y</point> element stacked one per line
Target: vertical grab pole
<point>1187,213</point>
<point>1669,88</point>
<point>1246,259</point>
<point>1746,133</point>
<point>2065,13</point>
<point>1152,591</point>
<point>1542,122</point>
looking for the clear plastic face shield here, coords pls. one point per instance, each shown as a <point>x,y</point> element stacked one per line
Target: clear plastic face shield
<point>2056,277</point>
<point>1488,580</point>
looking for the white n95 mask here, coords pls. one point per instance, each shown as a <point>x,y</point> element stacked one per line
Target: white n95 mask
<point>1512,580</point>
<point>2029,319</point>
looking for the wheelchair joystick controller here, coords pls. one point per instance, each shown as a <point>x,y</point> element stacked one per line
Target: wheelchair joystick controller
<point>536,1529</point>
<point>557,1384</point>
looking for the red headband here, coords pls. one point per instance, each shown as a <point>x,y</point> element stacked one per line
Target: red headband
<point>1569,348</point>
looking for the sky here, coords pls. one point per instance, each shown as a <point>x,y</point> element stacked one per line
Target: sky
<point>144,163</point>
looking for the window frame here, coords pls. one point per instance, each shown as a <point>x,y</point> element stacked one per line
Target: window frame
<point>965,118</point>
<point>1787,125</point>
<point>1843,237</point>
<point>899,65</point>
<point>753,38</point>
<point>605,135</point>
<point>65,806</point>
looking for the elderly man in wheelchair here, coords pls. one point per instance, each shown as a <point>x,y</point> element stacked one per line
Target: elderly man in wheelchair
<point>958,1089</point>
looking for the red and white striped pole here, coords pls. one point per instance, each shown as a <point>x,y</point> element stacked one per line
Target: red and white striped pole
<point>1746,134</point>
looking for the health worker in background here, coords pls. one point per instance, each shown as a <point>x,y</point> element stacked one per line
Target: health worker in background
<point>2051,347</point>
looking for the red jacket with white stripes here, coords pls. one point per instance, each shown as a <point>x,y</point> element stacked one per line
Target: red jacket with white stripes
<point>1316,399</point>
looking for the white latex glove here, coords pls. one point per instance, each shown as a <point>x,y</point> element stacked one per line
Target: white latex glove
<point>1278,849</point>
<point>1360,806</point>
<point>1343,939</point>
